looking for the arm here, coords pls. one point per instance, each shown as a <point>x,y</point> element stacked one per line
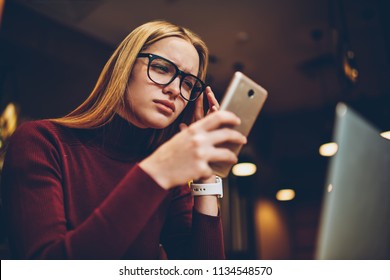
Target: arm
<point>188,154</point>
<point>206,204</point>
<point>191,150</point>
<point>189,234</point>
<point>41,218</point>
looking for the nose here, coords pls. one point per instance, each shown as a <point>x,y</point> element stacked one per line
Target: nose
<point>173,88</point>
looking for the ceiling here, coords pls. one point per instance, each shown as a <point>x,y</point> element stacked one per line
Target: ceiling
<point>292,48</point>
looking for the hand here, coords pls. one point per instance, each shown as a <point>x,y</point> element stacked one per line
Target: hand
<point>199,114</point>
<point>187,155</point>
<point>199,109</point>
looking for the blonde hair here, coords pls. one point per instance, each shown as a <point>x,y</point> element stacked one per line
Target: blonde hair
<point>110,89</point>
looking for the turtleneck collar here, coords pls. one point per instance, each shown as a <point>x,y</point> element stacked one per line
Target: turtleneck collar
<point>122,140</point>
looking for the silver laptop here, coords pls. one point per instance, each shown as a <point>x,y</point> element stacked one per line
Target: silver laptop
<point>355,218</point>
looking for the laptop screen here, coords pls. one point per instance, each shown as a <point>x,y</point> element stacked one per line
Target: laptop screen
<point>355,217</point>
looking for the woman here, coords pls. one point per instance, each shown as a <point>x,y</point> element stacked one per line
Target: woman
<point>109,180</point>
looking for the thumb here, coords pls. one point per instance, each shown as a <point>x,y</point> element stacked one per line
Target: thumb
<point>182,126</point>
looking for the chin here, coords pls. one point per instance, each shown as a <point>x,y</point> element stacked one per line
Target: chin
<point>150,121</point>
<point>158,123</point>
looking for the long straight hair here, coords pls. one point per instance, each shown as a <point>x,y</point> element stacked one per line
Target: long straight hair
<point>109,93</point>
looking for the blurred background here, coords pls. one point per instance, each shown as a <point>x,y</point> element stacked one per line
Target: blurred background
<point>309,55</point>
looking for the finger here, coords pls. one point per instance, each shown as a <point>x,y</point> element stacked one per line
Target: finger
<point>226,135</point>
<point>216,120</point>
<point>222,155</point>
<point>182,126</point>
<point>212,100</point>
<point>213,109</point>
<point>199,110</point>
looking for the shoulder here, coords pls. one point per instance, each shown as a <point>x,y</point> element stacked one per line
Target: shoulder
<point>32,142</point>
<point>38,140</point>
<point>42,129</point>
<point>38,127</point>
<point>44,133</point>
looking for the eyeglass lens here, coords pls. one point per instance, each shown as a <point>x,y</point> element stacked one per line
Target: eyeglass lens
<point>163,72</point>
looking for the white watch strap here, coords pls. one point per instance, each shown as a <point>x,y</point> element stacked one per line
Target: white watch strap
<point>208,189</point>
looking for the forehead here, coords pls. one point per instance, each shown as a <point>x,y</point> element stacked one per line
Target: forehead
<point>179,51</point>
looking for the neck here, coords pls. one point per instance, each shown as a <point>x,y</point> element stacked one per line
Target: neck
<point>121,139</point>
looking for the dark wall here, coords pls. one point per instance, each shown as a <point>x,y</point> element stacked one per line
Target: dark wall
<point>45,67</point>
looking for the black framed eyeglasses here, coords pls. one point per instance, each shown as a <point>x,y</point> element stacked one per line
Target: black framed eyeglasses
<point>162,72</point>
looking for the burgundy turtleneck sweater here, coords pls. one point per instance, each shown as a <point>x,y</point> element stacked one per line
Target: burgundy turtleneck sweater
<point>80,194</point>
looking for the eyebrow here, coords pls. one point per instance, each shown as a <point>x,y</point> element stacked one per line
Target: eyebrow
<point>180,67</point>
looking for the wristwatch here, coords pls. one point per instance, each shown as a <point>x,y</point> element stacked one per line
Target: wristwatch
<point>198,189</point>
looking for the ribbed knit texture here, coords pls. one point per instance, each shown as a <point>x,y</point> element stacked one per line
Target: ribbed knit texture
<point>80,194</point>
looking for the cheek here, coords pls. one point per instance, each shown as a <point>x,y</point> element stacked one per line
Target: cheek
<point>180,107</point>
<point>135,91</point>
<point>186,113</point>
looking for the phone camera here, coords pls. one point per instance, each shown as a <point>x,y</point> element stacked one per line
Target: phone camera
<point>251,93</point>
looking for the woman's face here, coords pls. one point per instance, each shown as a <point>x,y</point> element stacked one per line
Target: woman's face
<point>149,105</point>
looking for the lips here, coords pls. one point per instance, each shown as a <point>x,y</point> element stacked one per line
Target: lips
<point>166,103</point>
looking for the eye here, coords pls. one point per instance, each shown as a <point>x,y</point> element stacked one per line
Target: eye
<point>188,85</point>
<point>159,67</point>
<point>197,89</point>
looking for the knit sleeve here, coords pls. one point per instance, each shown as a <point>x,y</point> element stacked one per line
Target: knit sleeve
<point>189,234</point>
<point>35,210</point>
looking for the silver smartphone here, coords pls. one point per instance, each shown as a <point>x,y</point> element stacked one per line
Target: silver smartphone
<point>245,98</point>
